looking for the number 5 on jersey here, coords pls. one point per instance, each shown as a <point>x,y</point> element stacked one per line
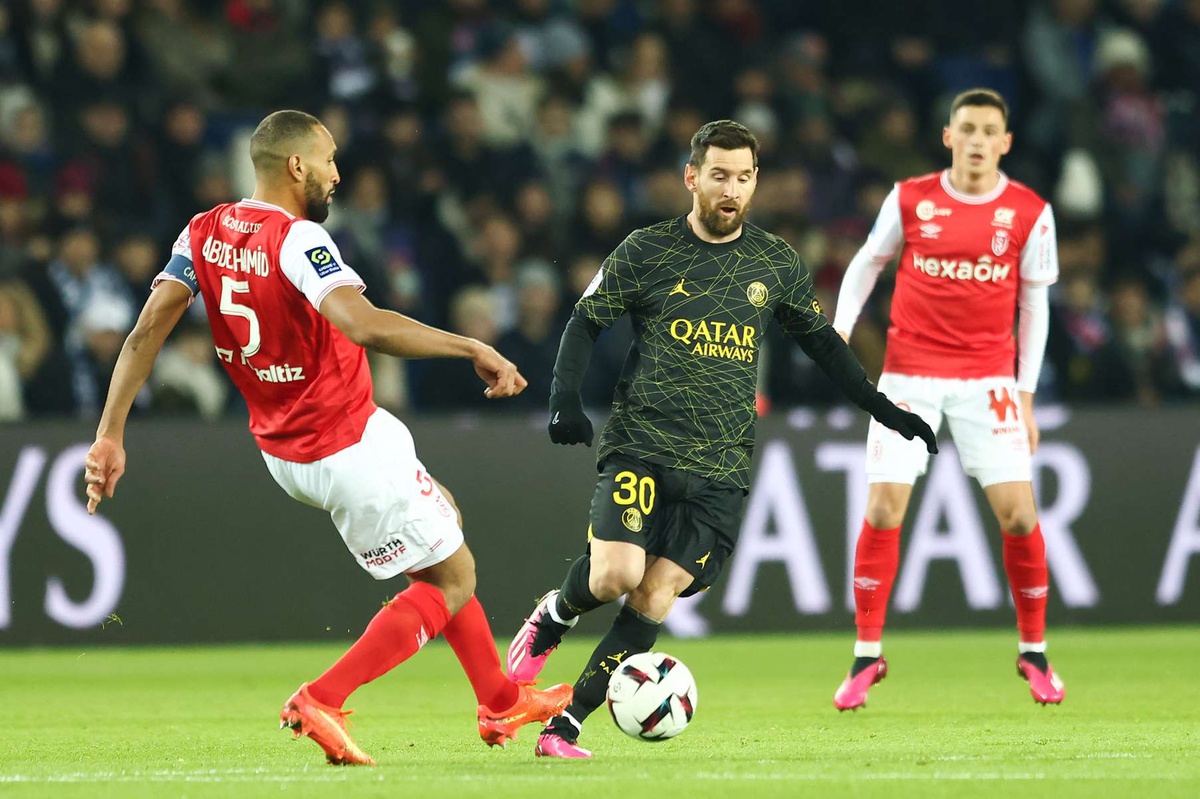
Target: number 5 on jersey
<point>230,307</point>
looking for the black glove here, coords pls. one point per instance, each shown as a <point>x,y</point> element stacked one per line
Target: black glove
<point>568,423</point>
<point>906,423</point>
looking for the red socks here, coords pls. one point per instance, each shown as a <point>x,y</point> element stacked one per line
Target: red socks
<point>1025,562</point>
<point>397,632</point>
<point>470,636</point>
<point>876,560</point>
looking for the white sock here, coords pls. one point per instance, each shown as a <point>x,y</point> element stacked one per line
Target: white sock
<point>868,649</point>
<point>552,609</point>
<point>1023,647</point>
<point>570,718</point>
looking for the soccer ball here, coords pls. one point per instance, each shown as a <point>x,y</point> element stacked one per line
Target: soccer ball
<point>652,696</point>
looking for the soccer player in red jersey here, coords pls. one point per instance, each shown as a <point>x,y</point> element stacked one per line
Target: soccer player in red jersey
<point>290,325</point>
<point>974,247</point>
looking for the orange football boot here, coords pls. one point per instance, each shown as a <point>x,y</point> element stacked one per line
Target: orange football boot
<point>304,715</point>
<point>497,729</point>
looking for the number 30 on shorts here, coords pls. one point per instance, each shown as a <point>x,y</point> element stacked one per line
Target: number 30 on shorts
<point>631,489</point>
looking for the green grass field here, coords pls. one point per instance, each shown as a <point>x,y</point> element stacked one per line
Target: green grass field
<point>952,719</point>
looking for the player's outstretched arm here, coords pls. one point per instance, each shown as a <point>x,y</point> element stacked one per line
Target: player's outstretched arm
<point>395,334</point>
<point>105,461</point>
<point>568,423</point>
<point>830,351</point>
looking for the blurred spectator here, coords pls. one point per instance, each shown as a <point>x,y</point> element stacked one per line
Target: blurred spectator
<point>1183,325</point>
<point>557,148</point>
<point>1142,341</point>
<point>25,342</point>
<point>1060,40</point>
<point>532,344</point>
<point>180,153</point>
<point>185,52</point>
<point>892,146</point>
<point>93,343</point>
<point>268,66</point>
<point>642,86</point>
<point>395,52</point>
<point>506,91</point>
<point>186,377</point>
<point>345,65</point>
<point>99,70</point>
<point>601,222</point>
<point>451,384</point>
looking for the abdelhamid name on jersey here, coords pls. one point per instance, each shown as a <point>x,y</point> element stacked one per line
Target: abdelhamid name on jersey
<point>686,394</point>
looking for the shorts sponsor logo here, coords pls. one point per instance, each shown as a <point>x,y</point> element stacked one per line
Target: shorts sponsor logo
<point>322,261</point>
<point>757,294</point>
<point>1002,404</point>
<point>632,519</point>
<point>391,550</point>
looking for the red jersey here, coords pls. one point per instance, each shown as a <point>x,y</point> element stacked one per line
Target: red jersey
<point>263,274</point>
<point>963,260</point>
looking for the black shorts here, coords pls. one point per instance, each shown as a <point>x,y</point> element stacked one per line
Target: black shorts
<point>688,519</point>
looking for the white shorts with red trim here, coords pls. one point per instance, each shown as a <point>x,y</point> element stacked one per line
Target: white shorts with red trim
<point>985,422</point>
<point>390,512</point>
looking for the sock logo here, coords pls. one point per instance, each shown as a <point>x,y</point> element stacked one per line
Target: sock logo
<point>422,637</point>
<point>867,583</point>
<point>1037,592</point>
<point>617,658</point>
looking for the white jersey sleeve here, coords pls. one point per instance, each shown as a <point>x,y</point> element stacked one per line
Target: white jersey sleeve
<point>310,259</point>
<point>1039,257</point>
<point>886,238</point>
<point>1033,328</point>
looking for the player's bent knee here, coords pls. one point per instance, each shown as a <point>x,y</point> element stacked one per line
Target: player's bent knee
<point>609,581</point>
<point>1017,522</point>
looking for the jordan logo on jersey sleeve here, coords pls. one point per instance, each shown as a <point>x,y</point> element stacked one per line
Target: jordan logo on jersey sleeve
<point>323,261</point>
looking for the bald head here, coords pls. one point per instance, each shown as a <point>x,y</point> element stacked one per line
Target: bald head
<point>293,157</point>
<point>280,136</point>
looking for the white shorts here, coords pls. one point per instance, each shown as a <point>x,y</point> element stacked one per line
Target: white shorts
<point>985,421</point>
<point>389,511</point>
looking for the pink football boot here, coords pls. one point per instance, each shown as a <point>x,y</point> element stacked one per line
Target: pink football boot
<point>523,664</point>
<point>550,744</point>
<point>852,694</point>
<point>1045,686</point>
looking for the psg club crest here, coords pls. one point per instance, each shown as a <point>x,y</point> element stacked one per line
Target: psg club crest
<point>1000,242</point>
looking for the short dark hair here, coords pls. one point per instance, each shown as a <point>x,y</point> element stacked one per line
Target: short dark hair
<point>985,97</point>
<point>723,133</point>
<point>275,137</point>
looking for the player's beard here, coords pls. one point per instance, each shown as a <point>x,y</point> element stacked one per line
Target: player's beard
<point>719,226</point>
<point>316,200</point>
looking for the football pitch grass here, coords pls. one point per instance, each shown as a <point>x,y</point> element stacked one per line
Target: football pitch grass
<point>952,719</point>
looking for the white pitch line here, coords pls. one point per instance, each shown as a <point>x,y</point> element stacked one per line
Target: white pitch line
<point>266,776</point>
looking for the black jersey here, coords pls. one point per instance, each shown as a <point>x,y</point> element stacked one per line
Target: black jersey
<point>686,394</point>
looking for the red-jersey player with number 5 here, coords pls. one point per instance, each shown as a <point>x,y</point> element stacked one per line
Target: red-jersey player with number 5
<point>290,325</point>
<point>974,247</point>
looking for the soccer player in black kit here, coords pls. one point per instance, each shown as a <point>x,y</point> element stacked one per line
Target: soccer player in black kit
<point>674,458</point>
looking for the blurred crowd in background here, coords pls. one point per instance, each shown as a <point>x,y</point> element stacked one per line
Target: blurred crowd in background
<point>492,152</point>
